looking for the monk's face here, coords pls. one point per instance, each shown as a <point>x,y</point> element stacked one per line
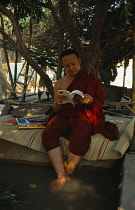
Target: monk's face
<point>71,64</point>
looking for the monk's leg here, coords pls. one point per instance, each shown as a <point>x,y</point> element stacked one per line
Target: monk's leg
<point>50,139</point>
<point>55,156</point>
<point>80,138</point>
<point>73,161</point>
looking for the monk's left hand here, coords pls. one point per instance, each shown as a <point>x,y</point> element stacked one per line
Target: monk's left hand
<point>87,99</point>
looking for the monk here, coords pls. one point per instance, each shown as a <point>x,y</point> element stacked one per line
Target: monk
<point>77,123</point>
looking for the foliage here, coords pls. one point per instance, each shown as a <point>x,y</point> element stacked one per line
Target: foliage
<point>81,23</point>
<point>22,8</point>
<point>118,21</point>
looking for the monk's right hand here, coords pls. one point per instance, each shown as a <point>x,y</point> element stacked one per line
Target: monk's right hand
<point>60,98</point>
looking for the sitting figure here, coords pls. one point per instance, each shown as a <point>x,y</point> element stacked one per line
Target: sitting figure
<point>42,89</point>
<point>76,123</point>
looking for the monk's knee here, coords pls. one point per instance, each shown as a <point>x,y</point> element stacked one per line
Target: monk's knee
<point>79,149</point>
<point>49,140</point>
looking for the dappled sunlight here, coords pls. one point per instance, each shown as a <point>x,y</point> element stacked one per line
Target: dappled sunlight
<point>1,132</point>
<point>2,155</point>
<point>8,91</point>
<point>14,131</point>
<point>23,109</point>
<point>4,132</point>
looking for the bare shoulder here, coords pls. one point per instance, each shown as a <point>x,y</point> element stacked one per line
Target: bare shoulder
<point>61,83</point>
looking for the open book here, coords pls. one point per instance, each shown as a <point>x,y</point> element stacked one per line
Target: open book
<point>71,96</point>
<point>23,123</point>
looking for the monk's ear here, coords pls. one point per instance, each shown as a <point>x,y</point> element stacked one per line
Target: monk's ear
<point>79,61</point>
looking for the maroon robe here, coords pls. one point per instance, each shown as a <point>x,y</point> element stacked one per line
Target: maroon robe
<point>80,122</point>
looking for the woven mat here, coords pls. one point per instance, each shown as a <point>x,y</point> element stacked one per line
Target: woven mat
<point>101,148</point>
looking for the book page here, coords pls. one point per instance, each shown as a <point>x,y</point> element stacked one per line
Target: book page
<point>77,92</point>
<point>67,94</point>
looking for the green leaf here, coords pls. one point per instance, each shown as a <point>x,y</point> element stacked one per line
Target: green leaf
<point>32,186</point>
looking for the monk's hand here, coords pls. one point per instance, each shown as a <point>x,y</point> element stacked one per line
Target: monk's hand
<point>88,99</point>
<point>60,98</point>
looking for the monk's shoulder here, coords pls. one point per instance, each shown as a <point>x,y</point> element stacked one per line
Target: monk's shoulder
<point>92,77</point>
<point>59,83</point>
<point>93,80</point>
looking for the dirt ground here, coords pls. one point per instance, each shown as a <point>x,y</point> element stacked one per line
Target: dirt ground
<point>26,187</point>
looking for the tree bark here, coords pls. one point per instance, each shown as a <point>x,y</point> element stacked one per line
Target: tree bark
<point>68,20</point>
<point>60,49</point>
<point>91,52</point>
<point>113,43</point>
<point>133,70</point>
<point>15,72</point>
<point>6,54</point>
<point>59,23</point>
<point>90,56</point>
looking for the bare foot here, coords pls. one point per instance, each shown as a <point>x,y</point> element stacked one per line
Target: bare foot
<point>58,184</point>
<point>65,164</point>
<point>72,163</point>
<point>70,168</point>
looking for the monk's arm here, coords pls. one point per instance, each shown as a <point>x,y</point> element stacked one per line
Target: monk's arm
<point>56,106</point>
<point>88,99</point>
<point>94,93</point>
<point>99,95</point>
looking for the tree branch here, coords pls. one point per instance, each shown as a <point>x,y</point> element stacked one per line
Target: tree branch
<point>9,14</point>
<point>98,20</point>
<point>66,15</point>
<point>114,42</point>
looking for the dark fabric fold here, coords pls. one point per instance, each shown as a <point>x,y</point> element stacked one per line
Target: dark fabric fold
<point>81,121</point>
<point>88,83</point>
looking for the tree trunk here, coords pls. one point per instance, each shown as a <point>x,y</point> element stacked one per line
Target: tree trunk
<point>60,49</point>
<point>91,53</point>
<point>68,20</point>
<point>16,61</point>
<point>29,45</point>
<point>133,86</point>
<point>6,54</point>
